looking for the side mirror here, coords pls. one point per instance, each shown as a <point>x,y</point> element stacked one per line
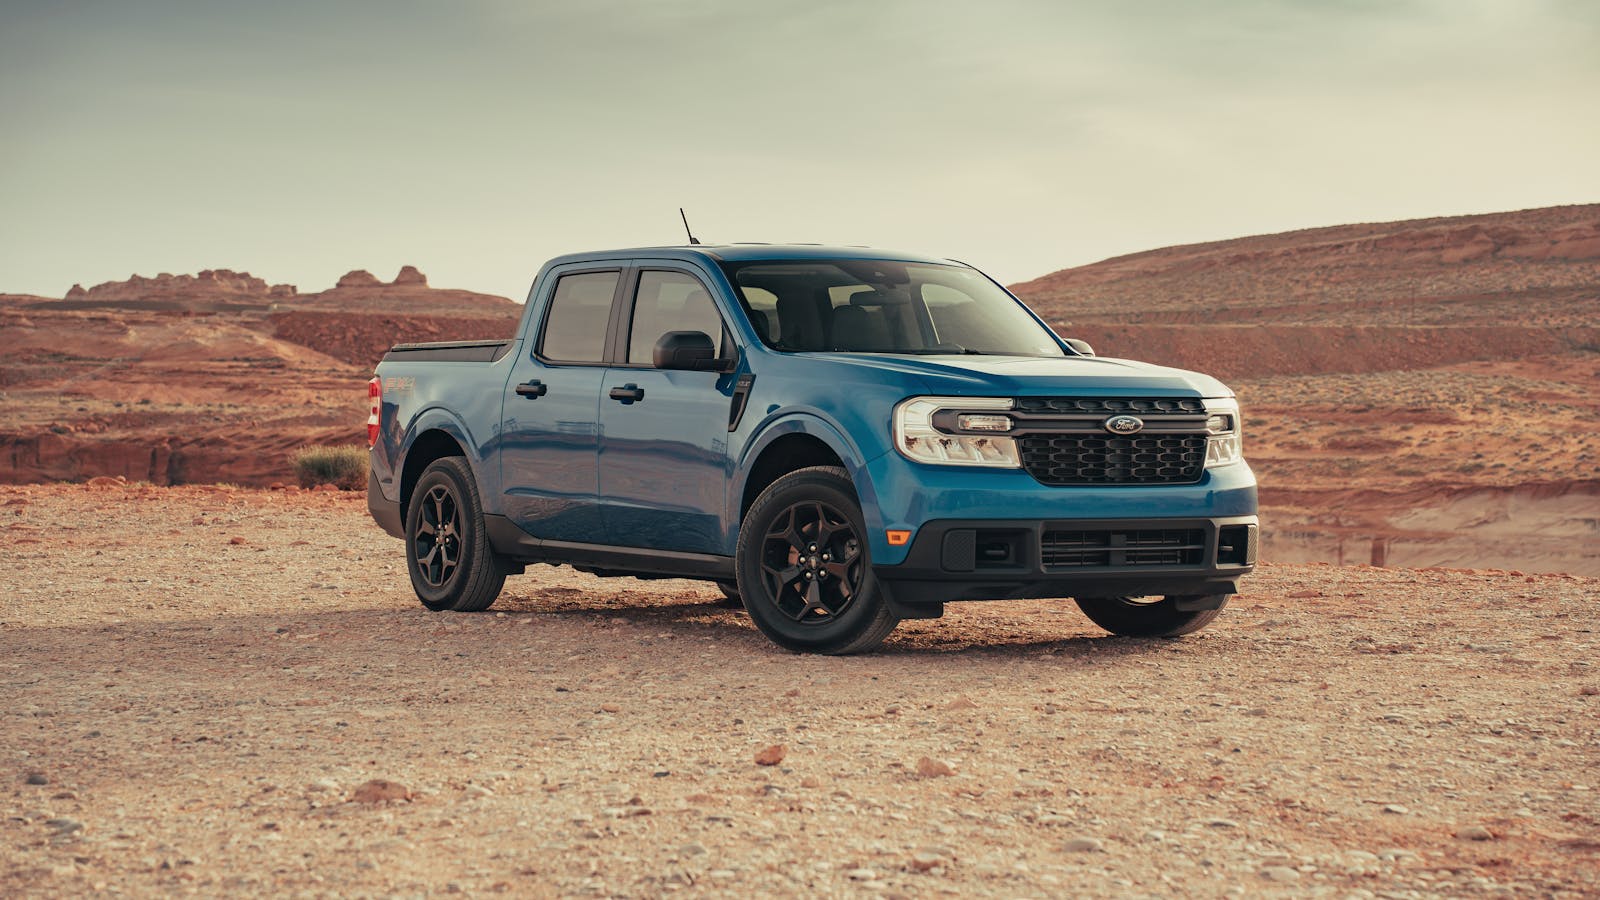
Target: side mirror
<point>690,350</point>
<point>1081,347</point>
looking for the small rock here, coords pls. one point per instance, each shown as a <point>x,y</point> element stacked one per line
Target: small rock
<point>1280,873</point>
<point>323,784</point>
<point>962,701</point>
<point>1083,845</point>
<point>1221,823</point>
<point>929,767</point>
<point>692,850</point>
<point>64,825</point>
<point>237,541</point>
<point>36,778</point>
<point>1396,809</point>
<point>474,791</point>
<point>922,861</point>
<point>771,756</point>
<point>610,708</point>
<point>379,790</point>
<point>1589,690</point>
<point>861,875</point>
<point>1474,833</point>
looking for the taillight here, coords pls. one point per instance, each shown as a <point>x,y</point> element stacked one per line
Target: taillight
<point>375,395</point>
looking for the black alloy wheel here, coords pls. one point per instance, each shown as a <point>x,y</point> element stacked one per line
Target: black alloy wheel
<point>811,562</point>
<point>448,556</point>
<point>438,537</point>
<point>805,568</point>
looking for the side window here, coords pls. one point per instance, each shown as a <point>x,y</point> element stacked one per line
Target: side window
<point>575,326</point>
<point>669,301</point>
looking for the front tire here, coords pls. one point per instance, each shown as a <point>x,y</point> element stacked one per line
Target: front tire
<point>804,569</point>
<point>1149,617</point>
<point>448,555</point>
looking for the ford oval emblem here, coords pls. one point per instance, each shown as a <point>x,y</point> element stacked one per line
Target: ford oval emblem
<point>1124,424</point>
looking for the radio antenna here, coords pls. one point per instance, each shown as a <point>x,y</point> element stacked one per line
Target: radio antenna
<point>686,230</point>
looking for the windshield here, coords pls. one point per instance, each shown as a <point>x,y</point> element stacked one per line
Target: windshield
<point>877,306</point>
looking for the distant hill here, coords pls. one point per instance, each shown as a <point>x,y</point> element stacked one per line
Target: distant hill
<point>227,291</point>
<point>1532,267</point>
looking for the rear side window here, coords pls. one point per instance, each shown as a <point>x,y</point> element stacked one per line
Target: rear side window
<point>670,301</point>
<point>575,326</point>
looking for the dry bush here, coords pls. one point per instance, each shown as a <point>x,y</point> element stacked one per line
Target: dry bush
<point>344,467</point>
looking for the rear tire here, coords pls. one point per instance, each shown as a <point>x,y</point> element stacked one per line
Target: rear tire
<point>1144,617</point>
<point>730,595</point>
<point>448,555</point>
<point>804,569</point>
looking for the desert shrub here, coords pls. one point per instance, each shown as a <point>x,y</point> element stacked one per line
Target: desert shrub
<point>344,467</point>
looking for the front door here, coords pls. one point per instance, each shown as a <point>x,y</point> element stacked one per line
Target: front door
<point>664,446</point>
<point>550,435</point>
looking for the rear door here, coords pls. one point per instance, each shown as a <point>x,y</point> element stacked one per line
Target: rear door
<point>664,448</point>
<point>550,433</point>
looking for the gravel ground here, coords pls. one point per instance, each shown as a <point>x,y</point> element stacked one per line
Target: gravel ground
<point>200,683</point>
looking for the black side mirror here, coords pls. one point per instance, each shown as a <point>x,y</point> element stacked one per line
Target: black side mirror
<point>1082,347</point>
<point>690,350</point>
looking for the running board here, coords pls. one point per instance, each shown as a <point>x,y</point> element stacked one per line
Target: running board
<point>602,559</point>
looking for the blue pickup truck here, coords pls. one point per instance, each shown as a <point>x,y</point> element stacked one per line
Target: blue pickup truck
<point>839,437</point>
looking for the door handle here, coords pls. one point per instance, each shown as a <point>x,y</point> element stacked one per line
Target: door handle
<point>628,393</point>
<point>533,390</point>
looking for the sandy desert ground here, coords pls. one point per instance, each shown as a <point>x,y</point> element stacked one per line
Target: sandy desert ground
<point>200,684</point>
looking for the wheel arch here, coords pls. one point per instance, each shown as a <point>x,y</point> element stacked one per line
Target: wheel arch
<point>797,443</point>
<point>426,448</point>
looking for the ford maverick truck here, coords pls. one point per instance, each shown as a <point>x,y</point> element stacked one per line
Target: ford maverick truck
<point>841,438</point>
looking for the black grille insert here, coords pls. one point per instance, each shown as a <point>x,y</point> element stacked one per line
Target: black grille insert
<point>1061,459</point>
<point>1154,406</point>
<point>1075,549</point>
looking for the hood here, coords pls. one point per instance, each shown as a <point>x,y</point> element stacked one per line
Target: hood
<point>1032,376</point>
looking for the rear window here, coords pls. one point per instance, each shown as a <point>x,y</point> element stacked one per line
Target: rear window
<point>575,326</point>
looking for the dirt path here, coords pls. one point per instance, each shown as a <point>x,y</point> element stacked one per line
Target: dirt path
<point>201,679</point>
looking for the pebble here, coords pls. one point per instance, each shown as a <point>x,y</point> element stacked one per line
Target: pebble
<point>1396,809</point>
<point>64,825</point>
<point>929,767</point>
<point>474,791</point>
<point>1083,845</point>
<point>771,756</point>
<point>692,850</point>
<point>323,784</point>
<point>1280,873</point>
<point>1221,823</point>
<point>1474,833</point>
<point>380,790</point>
<point>861,875</point>
<point>37,778</point>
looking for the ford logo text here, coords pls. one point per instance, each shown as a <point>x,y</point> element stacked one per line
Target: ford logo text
<point>1124,424</point>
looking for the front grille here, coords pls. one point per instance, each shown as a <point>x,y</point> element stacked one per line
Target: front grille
<point>1063,459</point>
<point>1071,549</point>
<point>1156,406</point>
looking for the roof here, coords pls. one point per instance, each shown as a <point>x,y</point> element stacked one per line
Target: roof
<point>749,252</point>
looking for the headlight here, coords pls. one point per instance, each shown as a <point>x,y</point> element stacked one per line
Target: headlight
<point>916,437</point>
<point>1225,444</point>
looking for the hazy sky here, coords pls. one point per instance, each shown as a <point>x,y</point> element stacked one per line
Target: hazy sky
<point>476,138</point>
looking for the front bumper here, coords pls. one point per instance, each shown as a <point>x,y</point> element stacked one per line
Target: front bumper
<point>999,559</point>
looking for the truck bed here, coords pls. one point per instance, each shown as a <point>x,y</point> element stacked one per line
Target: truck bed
<point>450,351</point>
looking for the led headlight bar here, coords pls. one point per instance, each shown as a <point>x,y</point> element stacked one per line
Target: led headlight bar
<point>916,437</point>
